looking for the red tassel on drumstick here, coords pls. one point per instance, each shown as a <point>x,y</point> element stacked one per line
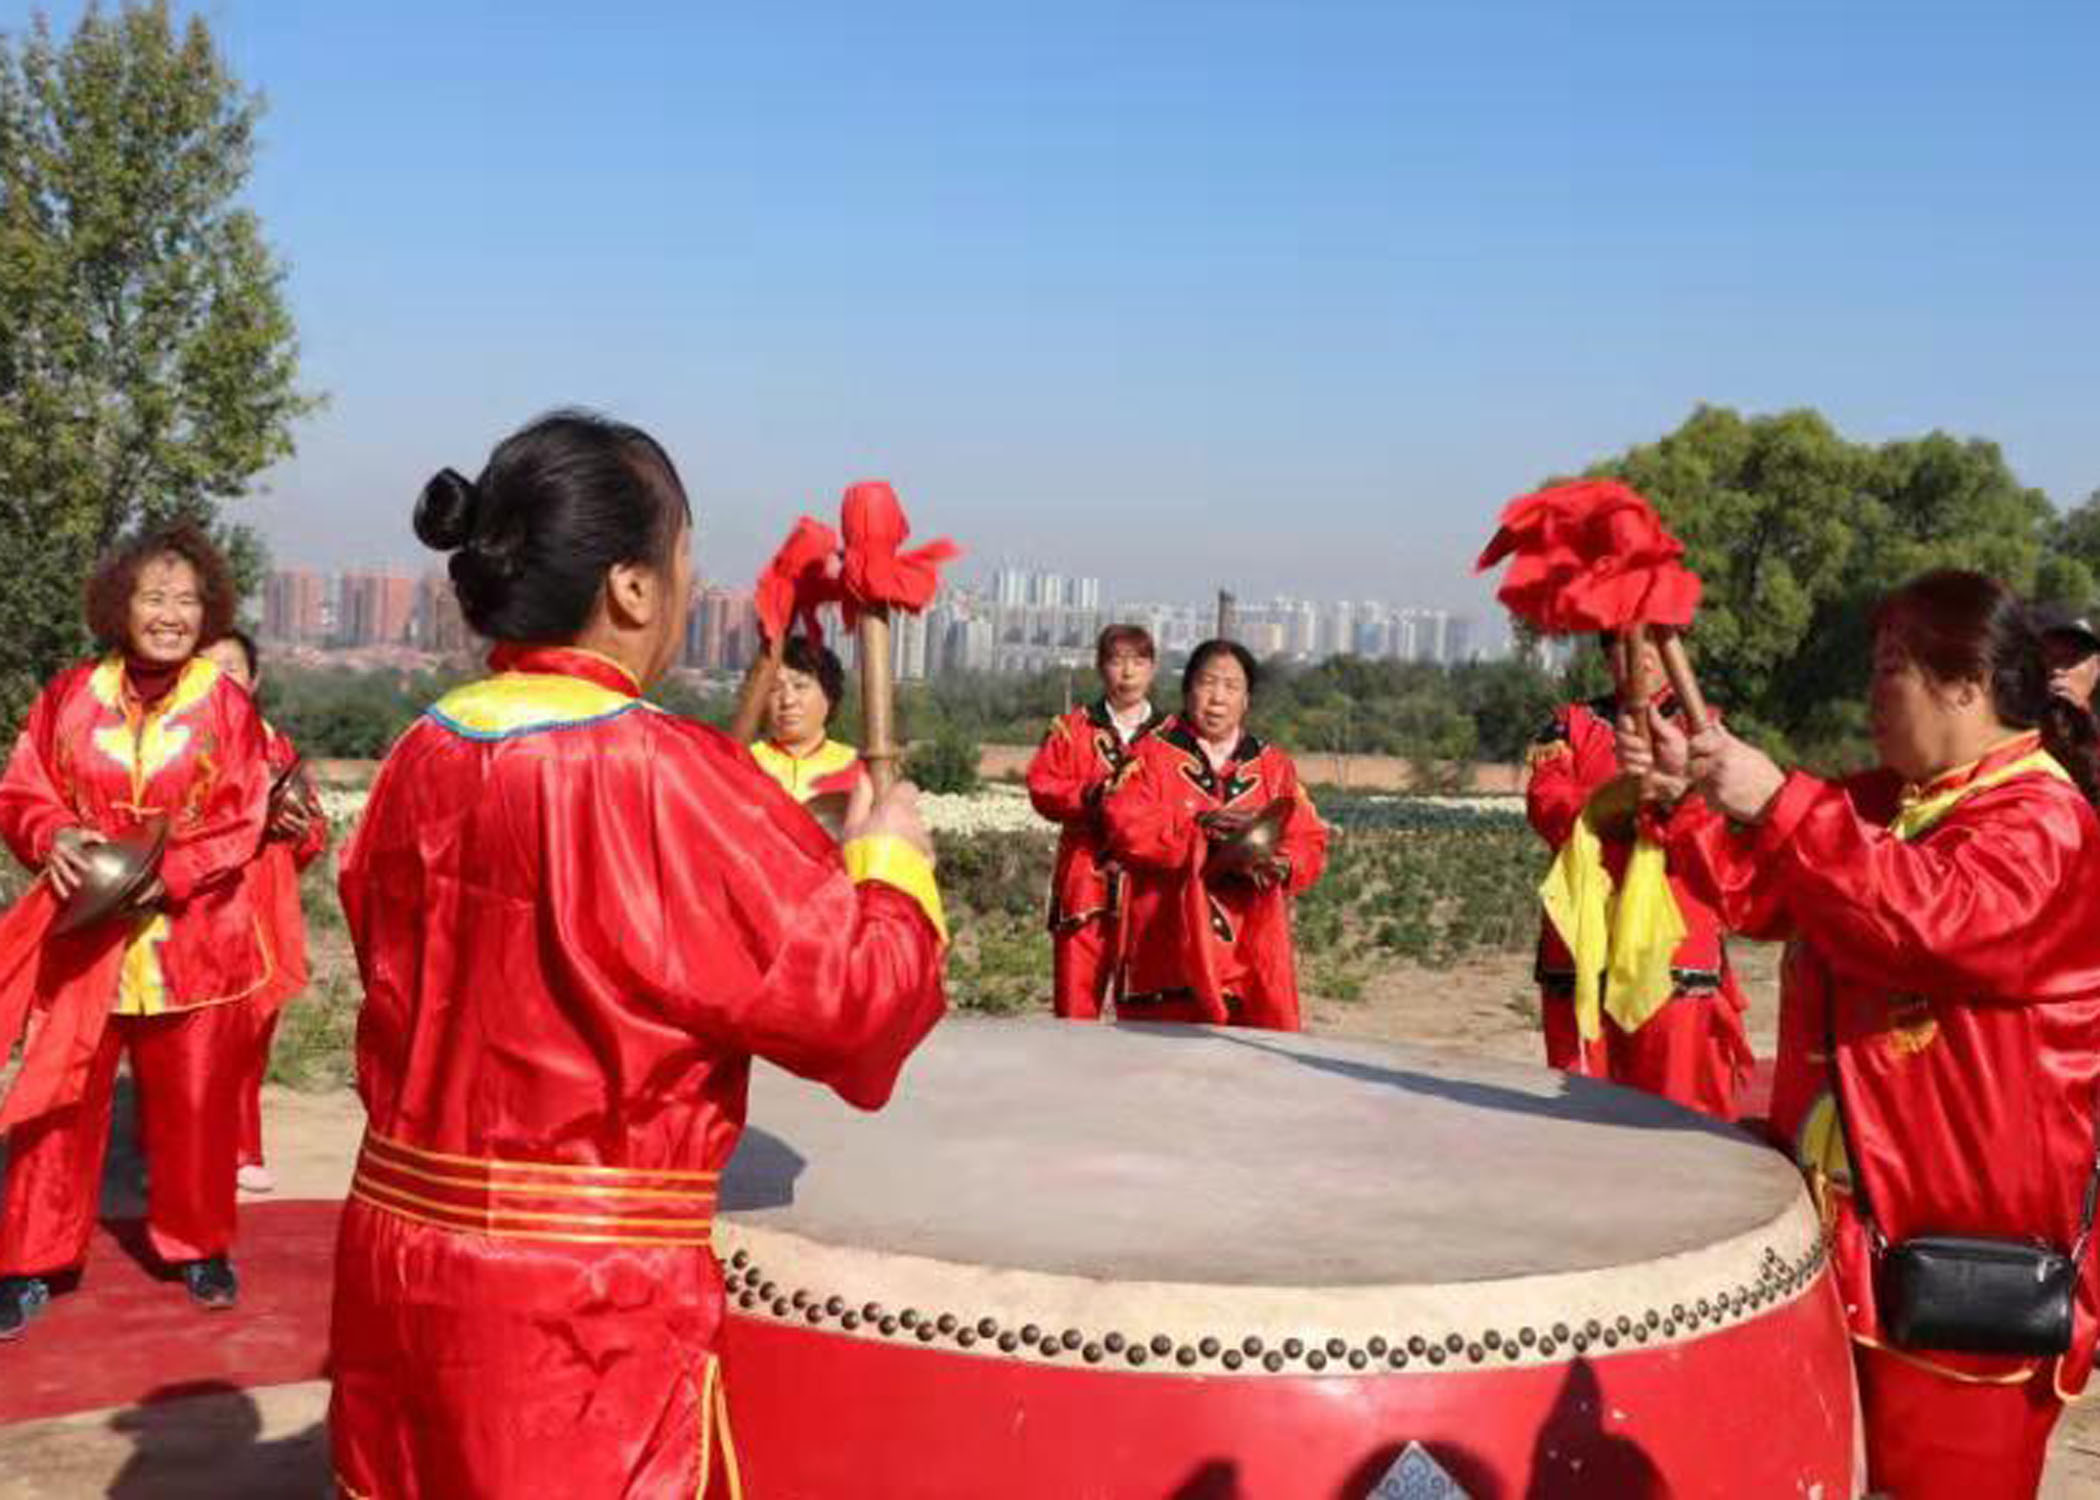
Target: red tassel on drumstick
<point>1593,556</point>
<point>877,578</point>
<point>802,577</point>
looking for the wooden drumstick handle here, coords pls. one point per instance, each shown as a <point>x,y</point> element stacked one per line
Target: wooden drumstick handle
<point>1678,664</point>
<point>1633,699</point>
<point>758,685</point>
<point>877,700</point>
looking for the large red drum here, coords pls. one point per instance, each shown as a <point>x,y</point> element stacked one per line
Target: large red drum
<point>1160,1261</point>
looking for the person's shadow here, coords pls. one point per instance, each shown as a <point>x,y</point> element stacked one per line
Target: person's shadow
<point>202,1440</point>
<point>762,1173</point>
<point>1574,1455</point>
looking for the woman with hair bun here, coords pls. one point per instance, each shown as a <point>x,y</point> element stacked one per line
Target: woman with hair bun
<point>1937,1068</point>
<point>149,735</point>
<point>578,919</point>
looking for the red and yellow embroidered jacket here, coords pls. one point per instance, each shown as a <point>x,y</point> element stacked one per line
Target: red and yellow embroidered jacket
<point>1212,938</point>
<point>1959,972</point>
<point>1071,771</point>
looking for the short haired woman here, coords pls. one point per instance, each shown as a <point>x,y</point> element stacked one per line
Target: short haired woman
<point>1211,931</point>
<point>296,836</point>
<point>1937,1066</point>
<point>1080,754</point>
<point>150,734</point>
<point>797,750</point>
<point>578,920</point>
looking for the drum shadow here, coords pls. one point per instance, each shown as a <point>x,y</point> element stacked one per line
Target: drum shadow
<point>1581,1099</point>
<point>762,1173</point>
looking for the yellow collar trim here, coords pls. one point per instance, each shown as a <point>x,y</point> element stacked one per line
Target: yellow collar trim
<point>514,703</point>
<point>1916,816</point>
<point>796,771</point>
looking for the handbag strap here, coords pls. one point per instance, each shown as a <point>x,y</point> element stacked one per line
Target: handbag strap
<point>2092,1188</point>
<point>1854,1167</point>
<point>1857,1169</point>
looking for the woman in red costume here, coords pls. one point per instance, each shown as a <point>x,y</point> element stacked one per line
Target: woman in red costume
<point>1937,1067</point>
<point>1080,754</point>
<point>297,834</point>
<point>798,750</point>
<point>1692,1050</point>
<point>578,919</point>
<point>150,733</point>
<point>1210,942</point>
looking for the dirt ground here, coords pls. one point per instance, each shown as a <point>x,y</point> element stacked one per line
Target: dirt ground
<point>270,1443</point>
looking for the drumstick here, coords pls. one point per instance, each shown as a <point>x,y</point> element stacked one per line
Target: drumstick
<point>877,703</point>
<point>1678,664</point>
<point>758,686</point>
<point>1633,698</point>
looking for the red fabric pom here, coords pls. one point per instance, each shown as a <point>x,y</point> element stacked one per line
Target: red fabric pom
<point>803,575</point>
<point>1588,556</point>
<point>876,572</point>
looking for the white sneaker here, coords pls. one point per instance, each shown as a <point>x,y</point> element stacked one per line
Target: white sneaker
<point>255,1179</point>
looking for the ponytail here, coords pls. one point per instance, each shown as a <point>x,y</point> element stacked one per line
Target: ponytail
<point>2069,734</point>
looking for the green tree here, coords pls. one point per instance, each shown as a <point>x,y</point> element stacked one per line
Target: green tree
<point>148,363</point>
<point>1797,531</point>
<point>2073,560</point>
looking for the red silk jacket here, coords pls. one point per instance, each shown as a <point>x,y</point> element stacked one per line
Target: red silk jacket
<point>90,756</point>
<point>578,919</point>
<point>1571,759</point>
<point>1071,770</point>
<point>274,888</point>
<point>1960,975</point>
<point>1211,939</point>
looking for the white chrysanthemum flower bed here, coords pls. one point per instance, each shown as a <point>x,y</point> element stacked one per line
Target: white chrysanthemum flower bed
<point>999,808</point>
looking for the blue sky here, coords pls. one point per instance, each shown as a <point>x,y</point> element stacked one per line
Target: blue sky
<point>1288,296</point>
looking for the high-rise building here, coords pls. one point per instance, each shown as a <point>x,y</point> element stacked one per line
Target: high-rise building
<point>726,638</point>
<point>440,626</point>
<point>296,607</point>
<point>377,609</point>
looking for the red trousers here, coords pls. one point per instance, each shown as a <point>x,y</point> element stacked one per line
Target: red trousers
<point>1932,1438</point>
<point>1081,965</point>
<point>1690,1052</point>
<point>251,1093</point>
<point>467,1366</point>
<point>187,1067</point>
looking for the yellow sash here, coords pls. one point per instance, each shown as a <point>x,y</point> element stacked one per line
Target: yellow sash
<point>1622,939</point>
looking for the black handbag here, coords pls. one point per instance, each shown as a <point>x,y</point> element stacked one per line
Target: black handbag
<point>1969,1294</point>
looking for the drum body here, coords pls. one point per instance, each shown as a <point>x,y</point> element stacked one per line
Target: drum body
<point>1170,1261</point>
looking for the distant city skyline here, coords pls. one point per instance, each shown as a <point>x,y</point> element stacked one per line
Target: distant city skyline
<point>1025,620</point>
<point>1288,298</point>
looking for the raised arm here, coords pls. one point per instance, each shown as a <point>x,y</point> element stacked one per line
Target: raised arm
<point>1980,906</point>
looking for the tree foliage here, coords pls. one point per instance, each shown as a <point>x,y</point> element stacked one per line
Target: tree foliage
<point>1797,532</point>
<point>148,363</point>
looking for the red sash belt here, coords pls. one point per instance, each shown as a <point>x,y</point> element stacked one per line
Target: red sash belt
<point>529,1200</point>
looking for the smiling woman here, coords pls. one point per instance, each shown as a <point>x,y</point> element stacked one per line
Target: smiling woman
<point>149,747</point>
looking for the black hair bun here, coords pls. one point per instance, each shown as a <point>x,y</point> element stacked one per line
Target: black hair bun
<point>445,511</point>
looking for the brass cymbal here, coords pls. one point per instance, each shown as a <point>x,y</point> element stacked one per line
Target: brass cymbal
<point>117,870</point>
<point>1240,853</point>
<point>829,809</point>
